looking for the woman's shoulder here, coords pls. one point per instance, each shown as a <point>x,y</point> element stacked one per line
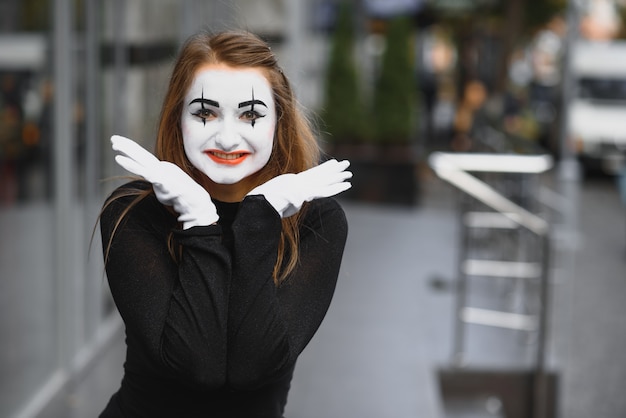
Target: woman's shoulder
<point>326,204</point>
<point>124,195</point>
<point>324,211</point>
<point>129,189</point>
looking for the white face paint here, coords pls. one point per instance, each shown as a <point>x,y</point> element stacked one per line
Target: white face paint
<point>228,122</point>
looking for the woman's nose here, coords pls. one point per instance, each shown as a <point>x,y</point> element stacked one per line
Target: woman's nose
<point>228,139</point>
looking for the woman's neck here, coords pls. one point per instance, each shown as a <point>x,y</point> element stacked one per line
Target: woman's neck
<point>229,192</point>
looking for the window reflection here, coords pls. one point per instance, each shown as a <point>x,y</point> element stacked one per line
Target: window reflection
<point>25,137</point>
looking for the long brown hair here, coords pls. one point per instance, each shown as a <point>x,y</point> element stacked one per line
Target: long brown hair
<point>295,147</point>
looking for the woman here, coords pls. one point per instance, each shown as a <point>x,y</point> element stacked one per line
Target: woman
<point>222,261</point>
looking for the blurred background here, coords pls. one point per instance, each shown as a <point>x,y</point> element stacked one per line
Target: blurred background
<point>484,271</point>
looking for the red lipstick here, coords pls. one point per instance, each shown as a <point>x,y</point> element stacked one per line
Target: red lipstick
<point>227,158</point>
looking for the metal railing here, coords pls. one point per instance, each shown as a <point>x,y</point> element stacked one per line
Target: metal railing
<point>455,168</point>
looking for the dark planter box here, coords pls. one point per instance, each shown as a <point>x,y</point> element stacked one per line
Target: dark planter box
<point>385,174</point>
<point>521,393</point>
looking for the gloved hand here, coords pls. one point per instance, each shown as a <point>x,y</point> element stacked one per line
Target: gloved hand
<point>172,186</point>
<point>288,192</point>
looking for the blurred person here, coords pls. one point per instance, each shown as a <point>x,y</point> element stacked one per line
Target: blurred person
<point>46,131</point>
<point>544,89</point>
<point>600,20</point>
<point>11,147</point>
<point>468,116</point>
<point>222,261</point>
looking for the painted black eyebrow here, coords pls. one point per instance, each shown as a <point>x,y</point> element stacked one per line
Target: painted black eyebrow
<point>251,103</point>
<point>206,101</point>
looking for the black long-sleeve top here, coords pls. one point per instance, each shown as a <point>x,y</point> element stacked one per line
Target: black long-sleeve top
<point>211,335</point>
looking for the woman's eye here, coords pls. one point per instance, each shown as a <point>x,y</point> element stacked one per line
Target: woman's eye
<point>204,113</point>
<point>251,116</point>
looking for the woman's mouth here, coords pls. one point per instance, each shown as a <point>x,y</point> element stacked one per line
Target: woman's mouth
<point>229,158</point>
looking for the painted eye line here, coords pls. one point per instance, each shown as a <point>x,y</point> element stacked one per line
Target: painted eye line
<point>251,103</point>
<point>253,115</point>
<point>204,102</point>
<point>202,115</point>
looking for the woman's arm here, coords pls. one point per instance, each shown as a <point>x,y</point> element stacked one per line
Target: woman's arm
<point>269,326</point>
<point>175,313</point>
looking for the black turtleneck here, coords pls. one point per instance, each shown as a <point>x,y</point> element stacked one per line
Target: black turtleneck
<point>211,335</point>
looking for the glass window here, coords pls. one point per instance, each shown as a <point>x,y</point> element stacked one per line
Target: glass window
<point>28,298</point>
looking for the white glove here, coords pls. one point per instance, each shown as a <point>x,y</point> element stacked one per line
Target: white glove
<point>288,192</point>
<point>172,186</point>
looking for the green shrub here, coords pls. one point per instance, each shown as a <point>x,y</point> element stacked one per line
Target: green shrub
<point>343,114</point>
<point>394,104</point>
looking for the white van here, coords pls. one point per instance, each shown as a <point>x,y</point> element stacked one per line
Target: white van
<point>597,111</point>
